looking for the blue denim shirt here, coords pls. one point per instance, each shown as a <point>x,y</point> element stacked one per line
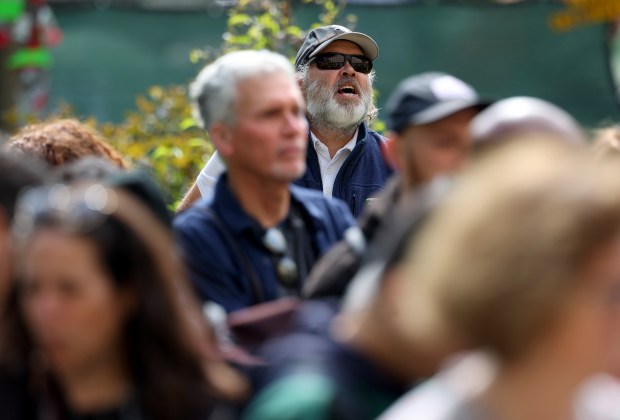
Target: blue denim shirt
<point>214,267</point>
<point>361,176</point>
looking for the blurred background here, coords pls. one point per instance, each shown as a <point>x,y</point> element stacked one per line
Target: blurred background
<point>124,64</point>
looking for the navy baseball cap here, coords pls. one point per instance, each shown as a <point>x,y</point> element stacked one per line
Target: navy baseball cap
<point>429,97</point>
<point>319,38</point>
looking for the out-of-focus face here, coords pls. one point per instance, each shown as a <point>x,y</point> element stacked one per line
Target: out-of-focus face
<point>339,98</point>
<point>268,139</point>
<point>587,334</point>
<point>422,152</point>
<point>71,306</point>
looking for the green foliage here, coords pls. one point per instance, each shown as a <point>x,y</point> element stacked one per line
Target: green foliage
<point>258,24</point>
<point>162,136</point>
<point>269,24</point>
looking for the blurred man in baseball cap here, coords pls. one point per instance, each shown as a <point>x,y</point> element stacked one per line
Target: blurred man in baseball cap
<point>428,117</point>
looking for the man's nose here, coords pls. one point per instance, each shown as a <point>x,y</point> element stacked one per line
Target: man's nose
<point>348,68</point>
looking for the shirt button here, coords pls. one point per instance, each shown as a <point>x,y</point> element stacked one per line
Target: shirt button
<point>328,193</point>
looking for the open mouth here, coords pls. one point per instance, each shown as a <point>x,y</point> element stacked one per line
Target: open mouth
<point>347,90</point>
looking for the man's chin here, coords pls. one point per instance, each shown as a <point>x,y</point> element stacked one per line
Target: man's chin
<point>347,101</point>
<point>290,173</point>
<point>338,114</point>
<point>348,108</point>
<point>346,121</point>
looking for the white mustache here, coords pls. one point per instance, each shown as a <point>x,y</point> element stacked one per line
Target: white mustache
<point>348,80</point>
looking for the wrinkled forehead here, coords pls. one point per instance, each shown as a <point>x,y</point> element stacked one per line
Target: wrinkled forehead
<point>343,46</point>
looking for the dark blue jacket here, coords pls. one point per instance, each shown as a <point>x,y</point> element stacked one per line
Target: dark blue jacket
<point>214,265</point>
<point>361,176</point>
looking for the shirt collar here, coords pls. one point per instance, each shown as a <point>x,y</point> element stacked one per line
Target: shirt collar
<point>350,144</point>
<point>228,208</point>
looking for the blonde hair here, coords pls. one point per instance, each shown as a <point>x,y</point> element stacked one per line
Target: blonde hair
<point>495,262</point>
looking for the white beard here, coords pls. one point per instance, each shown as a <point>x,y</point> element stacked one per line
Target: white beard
<point>325,110</point>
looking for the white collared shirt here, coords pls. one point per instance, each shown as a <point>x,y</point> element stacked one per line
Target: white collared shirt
<point>207,178</point>
<point>330,166</point>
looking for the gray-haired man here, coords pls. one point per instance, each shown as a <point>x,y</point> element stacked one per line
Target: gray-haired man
<point>258,237</point>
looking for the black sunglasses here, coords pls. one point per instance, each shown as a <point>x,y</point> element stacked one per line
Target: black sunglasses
<point>336,61</point>
<point>286,267</point>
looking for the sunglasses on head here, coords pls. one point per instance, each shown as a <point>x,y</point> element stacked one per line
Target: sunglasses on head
<point>76,209</point>
<point>336,61</point>
<point>286,268</point>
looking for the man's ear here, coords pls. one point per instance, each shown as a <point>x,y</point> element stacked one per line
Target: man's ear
<point>390,149</point>
<point>221,136</point>
<point>301,85</point>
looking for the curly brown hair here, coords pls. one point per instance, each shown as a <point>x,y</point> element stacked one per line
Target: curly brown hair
<point>61,141</point>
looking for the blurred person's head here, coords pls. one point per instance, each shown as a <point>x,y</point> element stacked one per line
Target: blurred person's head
<point>86,169</point>
<point>15,175</point>
<point>523,116</point>
<point>428,122</point>
<point>143,187</point>
<point>91,169</point>
<point>522,260</point>
<point>254,112</point>
<point>58,142</point>
<point>334,70</point>
<point>100,287</point>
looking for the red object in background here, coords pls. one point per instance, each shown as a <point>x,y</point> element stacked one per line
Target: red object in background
<point>34,40</point>
<point>5,38</point>
<point>54,36</point>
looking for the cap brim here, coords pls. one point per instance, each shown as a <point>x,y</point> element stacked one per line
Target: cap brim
<point>366,43</point>
<point>445,109</point>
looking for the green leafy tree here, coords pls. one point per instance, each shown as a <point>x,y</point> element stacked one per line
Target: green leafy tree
<point>268,24</point>
<point>162,136</point>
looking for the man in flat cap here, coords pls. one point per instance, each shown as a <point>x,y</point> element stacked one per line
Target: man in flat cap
<point>334,68</point>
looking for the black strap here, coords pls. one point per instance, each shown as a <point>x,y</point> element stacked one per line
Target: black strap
<point>259,293</point>
<point>302,246</point>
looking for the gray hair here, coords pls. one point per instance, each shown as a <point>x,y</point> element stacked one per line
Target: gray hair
<point>214,91</point>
